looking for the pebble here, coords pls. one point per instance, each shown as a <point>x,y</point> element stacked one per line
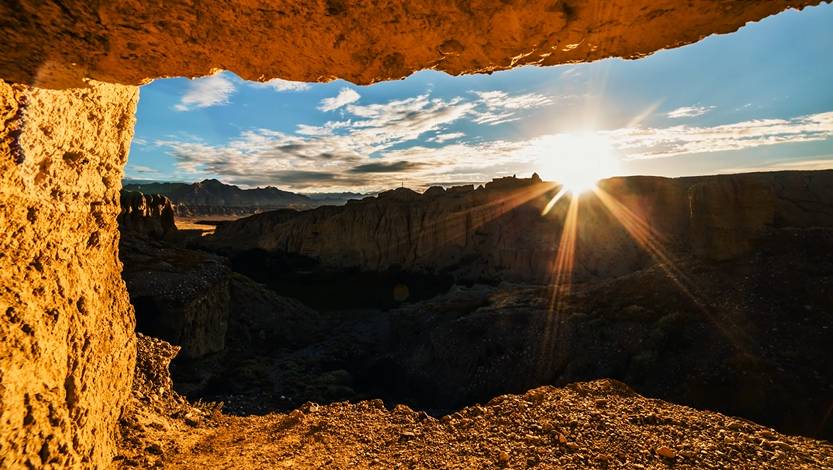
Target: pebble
<point>666,452</point>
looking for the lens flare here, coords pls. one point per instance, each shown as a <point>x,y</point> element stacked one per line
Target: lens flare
<point>577,160</point>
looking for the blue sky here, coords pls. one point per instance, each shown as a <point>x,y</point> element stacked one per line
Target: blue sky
<point>758,99</point>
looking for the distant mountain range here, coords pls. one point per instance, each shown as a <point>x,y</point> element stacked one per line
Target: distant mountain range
<point>213,197</point>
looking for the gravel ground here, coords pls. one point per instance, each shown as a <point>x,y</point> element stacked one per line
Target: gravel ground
<point>599,424</point>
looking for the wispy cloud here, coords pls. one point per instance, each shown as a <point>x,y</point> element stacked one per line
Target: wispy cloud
<point>646,143</point>
<point>279,84</point>
<point>502,107</point>
<point>344,97</point>
<point>204,92</point>
<point>440,138</point>
<point>502,100</point>
<point>141,171</point>
<point>689,111</point>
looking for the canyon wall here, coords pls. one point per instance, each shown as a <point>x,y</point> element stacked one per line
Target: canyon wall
<point>498,232</point>
<point>67,325</point>
<point>56,44</point>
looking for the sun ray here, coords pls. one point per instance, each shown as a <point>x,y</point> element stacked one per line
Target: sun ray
<point>651,241</point>
<point>561,284</point>
<point>554,200</point>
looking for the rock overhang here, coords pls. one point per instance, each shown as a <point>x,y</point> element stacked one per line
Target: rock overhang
<point>60,44</point>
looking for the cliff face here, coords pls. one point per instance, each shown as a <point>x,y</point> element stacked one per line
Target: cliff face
<point>67,325</point>
<point>57,44</point>
<point>498,231</point>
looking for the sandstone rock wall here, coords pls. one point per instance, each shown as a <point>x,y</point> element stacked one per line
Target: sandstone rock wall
<point>55,44</point>
<point>498,231</point>
<point>66,333</point>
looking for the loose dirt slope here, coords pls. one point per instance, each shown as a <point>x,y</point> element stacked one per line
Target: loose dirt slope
<point>600,424</point>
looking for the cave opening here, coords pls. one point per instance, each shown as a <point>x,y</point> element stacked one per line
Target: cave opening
<point>68,98</point>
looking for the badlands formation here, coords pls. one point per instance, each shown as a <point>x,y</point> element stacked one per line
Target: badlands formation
<point>68,76</point>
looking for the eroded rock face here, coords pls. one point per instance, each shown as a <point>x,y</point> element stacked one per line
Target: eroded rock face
<point>57,44</point>
<point>146,215</point>
<point>67,325</point>
<point>498,232</point>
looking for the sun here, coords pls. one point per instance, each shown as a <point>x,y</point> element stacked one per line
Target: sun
<point>577,160</point>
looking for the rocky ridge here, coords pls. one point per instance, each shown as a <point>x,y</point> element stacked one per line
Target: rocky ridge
<point>211,197</point>
<point>178,294</point>
<point>497,231</point>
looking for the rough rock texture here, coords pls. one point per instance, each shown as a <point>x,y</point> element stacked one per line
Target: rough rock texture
<point>56,44</point>
<point>67,332</point>
<point>601,424</point>
<point>149,215</point>
<point>67,326</point>
<point>262,325</point>
<point>728,213</point>
<point>498,232</point>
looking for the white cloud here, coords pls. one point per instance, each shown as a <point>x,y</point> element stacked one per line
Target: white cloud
<point>689,111</point>
<point>279,84</point>
<point>493,119</point>
<point>344,97</point>
<point>204,92</point>
<point>501,100</point>
<point>647,143</point>
<point>141,171</point>
<point>440,138</point>
<point>502,107</point>
<point>815,164</point>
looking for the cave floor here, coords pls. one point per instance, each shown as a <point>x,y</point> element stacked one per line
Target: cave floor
<point>600,424</point>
